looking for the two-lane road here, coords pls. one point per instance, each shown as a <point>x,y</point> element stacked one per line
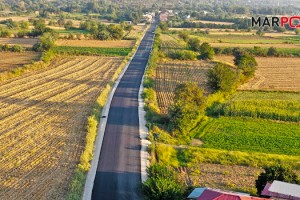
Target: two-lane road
<point>119,169</point>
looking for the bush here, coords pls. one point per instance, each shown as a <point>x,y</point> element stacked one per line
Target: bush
<point>245,62</point>
<point>163,184</point>
<point>272,51</point>
<point>206,52</point>
<point>16,48</point>
<point>183,55</point>
<point>194,44</point>
<point>222,78</point>
<point>280,173</point>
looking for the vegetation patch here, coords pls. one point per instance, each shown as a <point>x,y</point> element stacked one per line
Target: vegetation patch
<point>252,135</point>
<point>91,51</point>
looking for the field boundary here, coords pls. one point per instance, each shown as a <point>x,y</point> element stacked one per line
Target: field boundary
<point>89,183</point>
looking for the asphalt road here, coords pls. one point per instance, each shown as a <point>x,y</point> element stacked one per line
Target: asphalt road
<point>119,169</point>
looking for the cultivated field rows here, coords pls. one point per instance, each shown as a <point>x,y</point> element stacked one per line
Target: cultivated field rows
<point>169,74</point>
<point>42,118</point>
<point>273,73</point>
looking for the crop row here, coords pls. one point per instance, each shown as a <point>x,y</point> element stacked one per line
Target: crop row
<point>252,135</point>
<point>170,74</point>
<point>92,51</point>
<point>43,119</point>
<point>269,105</point>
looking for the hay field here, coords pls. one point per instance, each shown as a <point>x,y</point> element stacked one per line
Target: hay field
<point>171,73</point>
<point>25,42</point>
<point>280,74</point>
<point>213,22</point>
<point>43,118</point>
<point>273,73</point>
<point>282,46</point>
<point>15,18</point>
<point>10,60</point>
<point>97,43</point>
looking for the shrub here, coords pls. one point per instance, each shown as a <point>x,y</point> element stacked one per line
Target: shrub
<point>272,51</point>
<point>206,52</point>
<point>163,184</point>
<point>194,44</point>
<point>183,55</point>
<point>16,48</point>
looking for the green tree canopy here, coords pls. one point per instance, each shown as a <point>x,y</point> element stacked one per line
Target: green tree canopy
<point>194,44</point>
<point>222,78</point>
<point>187,109</point>
<point>280,173</point>
<point>245,62</point>
<point>206,52</point>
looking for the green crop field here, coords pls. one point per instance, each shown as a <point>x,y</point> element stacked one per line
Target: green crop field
<point>92,51</point>
<point>252,135</point>
<point>282,106</point>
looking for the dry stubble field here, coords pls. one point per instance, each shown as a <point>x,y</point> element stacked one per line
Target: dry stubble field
<point>273,73</point>
<point>171,73</point>
<point>24,42</point>
<point>9,60</point>
<point>43,116</point>
<point>97,43</point>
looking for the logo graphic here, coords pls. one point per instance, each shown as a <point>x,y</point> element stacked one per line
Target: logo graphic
<point>292,22</point>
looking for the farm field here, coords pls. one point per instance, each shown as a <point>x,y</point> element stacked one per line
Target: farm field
<point>252,135</point>
<point>25,42</point>
<point>272,74</point>
<point>213,22</point>
<point>97,43</point>
<point>244,39</point>
<point>92,51</point>
<point>43,118</point>
<point>284,106</point>
<point>11,60</point>
<point>251,45</point>
<point>279,74</point>
<point>171,73</point>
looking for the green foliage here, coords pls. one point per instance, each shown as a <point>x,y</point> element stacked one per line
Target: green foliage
<point>110,32</point>
<point>196,155</point>
<point>269,105</point>
<point>194,44</point>
<point>92,51</point>
<point>4,32</point>
<point>183,55</point>
<point>297,31</point>
<point>17,48</point>
<point>163,184</point>
<point>68,25</point>
<point>252,135</point>
<point>187,109</point>
<point>245,62</point>
<point>206,52</point>
<point>222,78</point>
<point>279,173</point>
<point>163,26</point>
<point>272,51</point>
<point>184,35</point>
<point>77,185</point>
<point>39,28</point>
<point>46,42</point>
<point>166,155</point>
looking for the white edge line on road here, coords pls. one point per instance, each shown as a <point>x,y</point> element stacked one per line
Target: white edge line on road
<point>90,178</point>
